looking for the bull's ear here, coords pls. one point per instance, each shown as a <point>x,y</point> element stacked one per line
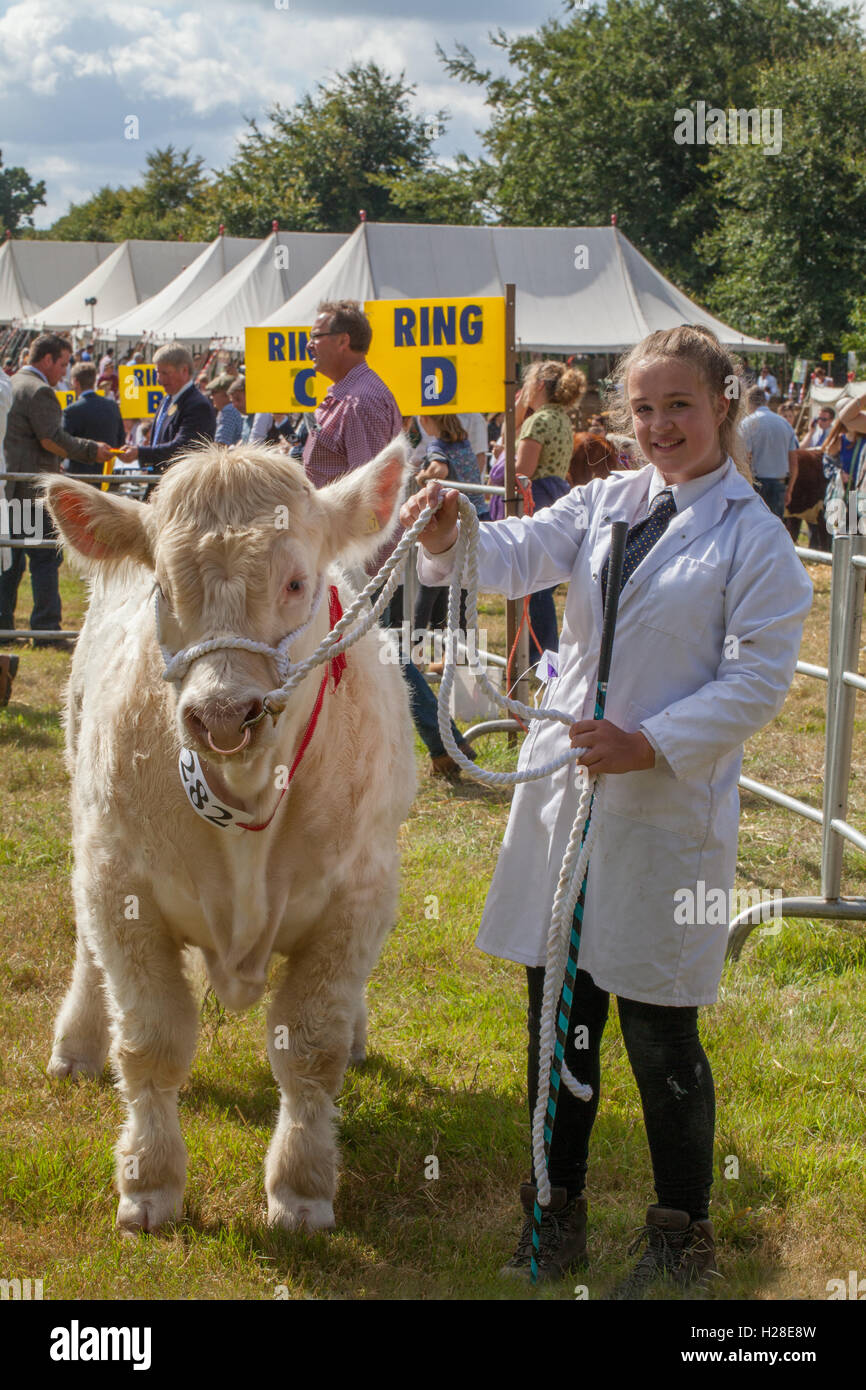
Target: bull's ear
<point>361,507</point>
<point>100,528</point>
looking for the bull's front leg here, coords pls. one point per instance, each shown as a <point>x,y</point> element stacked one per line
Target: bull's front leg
<point>312,1025</point>
<point>154,1027</point>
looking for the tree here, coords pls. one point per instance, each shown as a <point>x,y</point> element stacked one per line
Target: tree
<point>164,205</point>
<point>436,194</point>
<point>96,219</point>
<point>348,146</point>
<point>161,207</point>
<point>19,197</point>
<point>582,124</point>
<point>787,255</point>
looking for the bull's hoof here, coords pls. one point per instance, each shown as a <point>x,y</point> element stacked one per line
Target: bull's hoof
<point>148,1211</point>
<point>66,1064</point>
<point>294,1213</point>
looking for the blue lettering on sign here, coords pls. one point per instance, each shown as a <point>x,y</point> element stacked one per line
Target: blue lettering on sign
<point>301,384</point>
<point>431,392</point>
<point>471,323</point>
<point>404,322</point>
<point>445,325</point>
<point>153,400</point>
<point>437,325</point>
<point>138,375</point>
<point>288,347</point>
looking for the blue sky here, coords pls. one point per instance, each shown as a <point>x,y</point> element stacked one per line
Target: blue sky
<point>71,73</point>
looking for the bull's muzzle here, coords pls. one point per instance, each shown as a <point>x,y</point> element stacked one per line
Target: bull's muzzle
<point>224,727</point>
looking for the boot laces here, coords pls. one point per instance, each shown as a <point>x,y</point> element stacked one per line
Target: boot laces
<point>548,1236</point>
<point>662,1253</point>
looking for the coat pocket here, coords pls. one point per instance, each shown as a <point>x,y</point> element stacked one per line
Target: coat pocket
<point>656,797</point>
<point>683,597</point>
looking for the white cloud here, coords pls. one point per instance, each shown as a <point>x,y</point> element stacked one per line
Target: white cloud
<point>192,73</point>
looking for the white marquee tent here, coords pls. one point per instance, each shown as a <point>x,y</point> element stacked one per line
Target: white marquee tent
<point>276,268</point>
<point>156,317</point>
<point>135,270</point>
<point>579,289</point>
<point>34,273</point>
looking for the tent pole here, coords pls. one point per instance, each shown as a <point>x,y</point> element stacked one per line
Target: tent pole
<point>512,499</point>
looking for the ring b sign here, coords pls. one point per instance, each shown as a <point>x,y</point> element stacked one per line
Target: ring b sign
<point>440,356</point>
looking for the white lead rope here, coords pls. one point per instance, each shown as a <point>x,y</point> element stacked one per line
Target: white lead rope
<point>576,857</point>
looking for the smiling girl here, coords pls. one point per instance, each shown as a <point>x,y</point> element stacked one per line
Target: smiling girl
<point>711,613</point>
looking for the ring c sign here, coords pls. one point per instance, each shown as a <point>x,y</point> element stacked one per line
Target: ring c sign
<point>280,374</point>
<point>440,356</point>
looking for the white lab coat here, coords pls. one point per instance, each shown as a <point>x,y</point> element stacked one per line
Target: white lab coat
<point>725,567</point>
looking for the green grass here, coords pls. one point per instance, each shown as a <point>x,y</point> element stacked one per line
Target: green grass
<point>445,1077</point>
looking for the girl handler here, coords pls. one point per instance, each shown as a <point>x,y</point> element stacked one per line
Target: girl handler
<point>710,618</point>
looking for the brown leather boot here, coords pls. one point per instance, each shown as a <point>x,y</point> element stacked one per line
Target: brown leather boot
<point>8,672</point>
<point>677,1248</point>
<point>697,1262</point>
<point>561,1241</point>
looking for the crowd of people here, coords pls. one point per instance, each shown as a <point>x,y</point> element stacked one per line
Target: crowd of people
<point>563,441</point>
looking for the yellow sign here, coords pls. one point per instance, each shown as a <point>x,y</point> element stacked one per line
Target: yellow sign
<point>68,397</point>
<point>828,357</point>
<point>280,374</point>
<point>440,356</point>
<point>139,392</point>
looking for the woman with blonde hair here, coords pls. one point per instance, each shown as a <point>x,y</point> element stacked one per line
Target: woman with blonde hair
<point>711,611</point>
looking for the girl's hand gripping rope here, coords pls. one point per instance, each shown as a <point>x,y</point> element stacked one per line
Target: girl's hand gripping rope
<point>608,748</point>
<point>440,533</point>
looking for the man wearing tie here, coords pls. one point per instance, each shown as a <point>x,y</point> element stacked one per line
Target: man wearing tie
<point>185,416</point>
<point>91,416</point>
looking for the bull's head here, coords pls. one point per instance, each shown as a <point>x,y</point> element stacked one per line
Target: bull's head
<point>238,542</point>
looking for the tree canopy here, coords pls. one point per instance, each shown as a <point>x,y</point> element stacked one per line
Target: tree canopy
<point>342,149</point>
<point>19,198</point>
<point>158,209</point>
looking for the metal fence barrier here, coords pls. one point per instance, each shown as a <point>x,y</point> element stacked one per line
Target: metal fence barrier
<point>848,579</point>
<point>848,560</point>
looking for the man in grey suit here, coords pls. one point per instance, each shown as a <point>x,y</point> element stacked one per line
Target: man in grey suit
<point>35,443</point>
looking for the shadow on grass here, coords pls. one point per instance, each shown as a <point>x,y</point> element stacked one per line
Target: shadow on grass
<point>253,1103</point>
<point>448,1237</point>
<point>33,728</point>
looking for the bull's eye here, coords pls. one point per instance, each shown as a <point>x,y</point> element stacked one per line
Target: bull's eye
<point>295,586</point>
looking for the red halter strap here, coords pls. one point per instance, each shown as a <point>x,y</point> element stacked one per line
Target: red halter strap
<point>336,666</point>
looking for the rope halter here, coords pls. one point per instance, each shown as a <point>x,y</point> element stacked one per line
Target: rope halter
<point>357,620</point>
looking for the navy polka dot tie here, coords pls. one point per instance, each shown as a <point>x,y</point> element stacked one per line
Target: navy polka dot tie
<point>642,537</point>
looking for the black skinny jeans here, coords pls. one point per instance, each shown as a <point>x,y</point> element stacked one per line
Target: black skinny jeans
<point>675,1083</point>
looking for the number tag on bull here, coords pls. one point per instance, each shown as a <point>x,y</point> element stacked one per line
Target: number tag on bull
<point>202,799</point>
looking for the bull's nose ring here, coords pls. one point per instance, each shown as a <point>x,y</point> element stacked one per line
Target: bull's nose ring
<point>227,752</point>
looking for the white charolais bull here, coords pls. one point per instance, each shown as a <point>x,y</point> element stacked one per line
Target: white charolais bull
<point>238,543</point>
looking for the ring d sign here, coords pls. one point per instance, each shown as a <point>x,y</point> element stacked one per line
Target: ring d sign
<point>440,356</point>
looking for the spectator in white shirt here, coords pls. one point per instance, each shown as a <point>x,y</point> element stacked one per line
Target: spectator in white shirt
<point>767,382</point>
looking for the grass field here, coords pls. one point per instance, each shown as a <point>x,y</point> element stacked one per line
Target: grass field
<point>445,1076</point>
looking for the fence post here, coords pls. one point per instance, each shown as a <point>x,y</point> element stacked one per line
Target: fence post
<point>846,617</point>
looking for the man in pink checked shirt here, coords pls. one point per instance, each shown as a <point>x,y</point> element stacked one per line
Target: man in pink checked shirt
<point>358,416</point>
<point>355,421</point>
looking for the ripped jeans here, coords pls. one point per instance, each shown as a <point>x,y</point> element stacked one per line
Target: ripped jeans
<point>674,1079</point>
